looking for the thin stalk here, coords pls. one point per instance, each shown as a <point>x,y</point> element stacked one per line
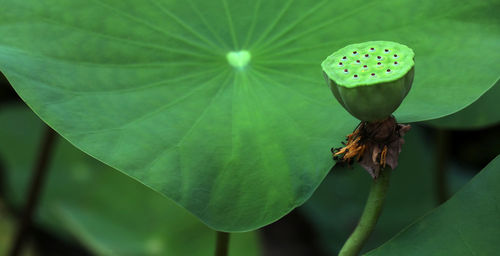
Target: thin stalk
<point>34,194</point>
<point>222,244</point>
<point>442,148</point>
<point>370,215</point>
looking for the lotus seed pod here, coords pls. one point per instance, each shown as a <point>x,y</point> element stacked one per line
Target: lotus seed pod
<point>370,79</point>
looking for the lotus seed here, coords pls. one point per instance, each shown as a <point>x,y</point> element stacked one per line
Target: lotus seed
<point>358,61</point>
<point>395,63</point>
<point>386,50</point>
<point>378,57</point>
<point>378,63</point>
<point>355,76</point>
<point>341,64</point>
<point>344,58</point>
<point>354,52</point>
<point>366,55</point>
<point>372,49</point>
<point>365,66</point>
<point>345,70</point>
<point>388,70</point>
<point>373,74</point>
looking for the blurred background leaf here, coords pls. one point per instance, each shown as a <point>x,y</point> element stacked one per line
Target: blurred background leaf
<point>467,224</point>
<point>106,211</point>
<point>144,86</point>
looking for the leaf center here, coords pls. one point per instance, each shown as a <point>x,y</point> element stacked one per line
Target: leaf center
<point>239,59</point>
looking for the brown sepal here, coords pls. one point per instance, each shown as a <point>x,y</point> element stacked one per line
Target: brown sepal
<point>374,145</point>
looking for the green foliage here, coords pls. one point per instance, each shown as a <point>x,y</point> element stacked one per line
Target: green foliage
<point>467,224</point>
<point>145,87</point>
<point>108,212</point>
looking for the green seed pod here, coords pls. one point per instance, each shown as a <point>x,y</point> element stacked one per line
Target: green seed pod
<point>370,79</point>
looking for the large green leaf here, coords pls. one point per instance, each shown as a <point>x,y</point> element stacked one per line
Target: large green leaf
<point>109,212</point>
<point>467,224</point>
<point>145,87</point>
<point>480,114</point>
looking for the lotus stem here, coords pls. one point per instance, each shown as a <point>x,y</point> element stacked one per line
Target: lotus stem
<point>222,244</point>
<point>370,215</point>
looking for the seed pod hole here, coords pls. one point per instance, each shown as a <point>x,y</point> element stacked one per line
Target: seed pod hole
<point>372,49</point>
<point>341,64</point>
<point>367,55</point>
<point>378,63</point>
<point>344,58</point>
<point>346,71</point>
<point>354,52</point>
<point>388,71</point>
<point>379,57</point>
<point>365,66</point>
<point>386,50</point>
<point>395,63</point>
<point>373,74</point>
<point>395,56</point>
<point>355,76</point>
<point>358,61</point>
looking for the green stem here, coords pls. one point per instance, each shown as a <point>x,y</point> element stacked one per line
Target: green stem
<point>370,215</point>
<point>442,148</point>
<point>222,244</point>
<point>34,194</point>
